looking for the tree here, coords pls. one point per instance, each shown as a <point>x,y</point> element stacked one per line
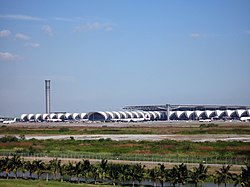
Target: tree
<point>161,173</point>
<point>103,168</point>
<point>245,175</point>
<point>136,173</point>
<point>70,169</point>
<point>223,175</point>
<point>95,172</point>
<point>179,174</point>
<point>173,176</point>
<point>5,166</point>
<point>29,166</point>
<point>86,168</point>
<point>114,172</point>
<point>198,174</point>
<point>152,174</point>
<point>15,163</point>
<point>61,169</point>
<point>55,166</point>
<point>78,170</point>
<point>183,174</point>
<point>39,167</point>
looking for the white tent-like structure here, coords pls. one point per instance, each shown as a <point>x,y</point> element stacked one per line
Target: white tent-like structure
<point>149,113</point>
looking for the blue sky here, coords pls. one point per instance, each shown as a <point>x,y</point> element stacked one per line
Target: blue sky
<point>103,55</point>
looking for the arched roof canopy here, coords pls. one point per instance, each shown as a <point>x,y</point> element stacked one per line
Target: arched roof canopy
<point>24,117</point>
<point>141,114</point>
<point>135,114</point>
<point>61,116</point>
<point>110,115</point>
<point>45,117</point>
<point>129,114</point>
<point>68,116</point>
<point>31,117</point>
<point>38,117</point>
<point>189,114</point>
<point>123,115</point>
<point>117,115</point>
<point>53,116</point>
<point>83,116</point>
<point>97,116</point>
<point>76,116</point>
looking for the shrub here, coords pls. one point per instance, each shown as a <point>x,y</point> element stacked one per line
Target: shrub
<point>63,129</point>
<point>9,139</point>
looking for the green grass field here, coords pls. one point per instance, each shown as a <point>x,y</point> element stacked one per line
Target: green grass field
<point>36,183</point>
<point>126,148</point>
<point>225,128</point>
<point>166,148</point>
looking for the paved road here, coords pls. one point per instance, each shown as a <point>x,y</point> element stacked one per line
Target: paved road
<point>148,137</point>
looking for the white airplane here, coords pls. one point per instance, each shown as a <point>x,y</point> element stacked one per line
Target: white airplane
<point>9,121</point>
<point>245,119</point>
<point>54,120</point>
<point>205,120</point>
<point>138,119</point>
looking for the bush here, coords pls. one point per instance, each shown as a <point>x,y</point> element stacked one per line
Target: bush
<point>8,139</point>
<point>208,125</point>
<point>63,129</point>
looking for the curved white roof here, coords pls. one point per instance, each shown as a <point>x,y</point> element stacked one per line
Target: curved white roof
<point>135,114</point>
<point>112,116</point>
<point>171,114</point>
<point>68,115</point>
<point>189,114</point>
<point>158,114</point>
<point>179,113</point>
<point>52,116</point>
<point>104,114</point>
<point>248,111</point>
<point>209,113</point>
<point>229,112</point>
<point>24,116</point>
<point>141,114</point>
<point>45,116</point>
<point>198,113</point>
<point>123,115</point>
<point>37,116</point>
<point>129,114</point>
<point>117,115</point>
<point>152,114</point>
<point>240,112</point>
<point>219,112</point>
<point>83,115</point>
<point>31,116</point>
<point>60,116</point>
<point>75,116</point>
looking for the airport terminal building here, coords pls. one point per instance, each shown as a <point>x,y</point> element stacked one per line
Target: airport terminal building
<point>150,113</point>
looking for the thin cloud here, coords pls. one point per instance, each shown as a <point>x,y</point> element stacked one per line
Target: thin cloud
<point>20,17</point>
<point>94,27</point>
<point>4,33</point>
<point>72,19</point>
<point>21,36</point>
<point>7,57</point>
<point>32,45</point>
<point>198,36</point>
<point>63,19</point>
<point>47,30</point>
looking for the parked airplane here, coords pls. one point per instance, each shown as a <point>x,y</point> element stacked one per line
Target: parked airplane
<point>54,120</point>
<point>9,121</point>
<point>245,119</point>
<point>205,120</point>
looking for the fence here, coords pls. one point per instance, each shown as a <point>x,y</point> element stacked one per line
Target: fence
<point>138,157</point>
